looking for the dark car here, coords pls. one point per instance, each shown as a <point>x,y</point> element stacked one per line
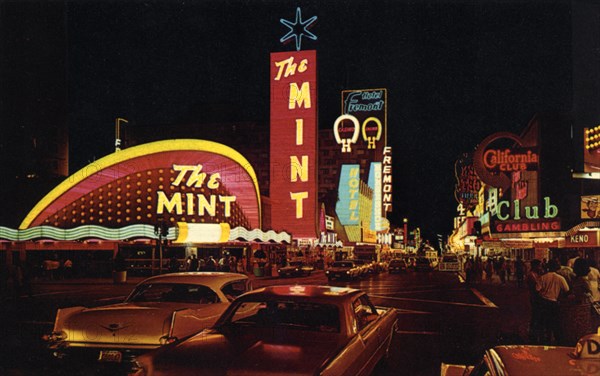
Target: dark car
<point>295,269</point>
<point>343,270</point>
<point>423,264</point>
<point>397,266</point>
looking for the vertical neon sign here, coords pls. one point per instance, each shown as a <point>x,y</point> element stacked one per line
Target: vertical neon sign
<point>293,187</point>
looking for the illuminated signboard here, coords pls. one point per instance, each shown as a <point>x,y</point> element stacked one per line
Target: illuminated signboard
<point>298,29</point>
<point>190,181</point>
<point>466,190</point>
<point>363,120</point>
<point>347,207</point>
<point>511,217</point>
<point>495,166</point>
<point>375,182</point>
<point>590,207</point>
<point>583,239</point>
<point>293,150</point>
<point>362,128</point>
<point>591,156</point>
<point>387,179</point>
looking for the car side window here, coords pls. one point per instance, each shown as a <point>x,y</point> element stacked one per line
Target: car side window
<point>364,312</point>
<point>234,289</point>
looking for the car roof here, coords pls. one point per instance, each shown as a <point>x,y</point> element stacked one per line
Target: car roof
<point>534,360</point>
<point>204,278</point>
<point>331,294</point>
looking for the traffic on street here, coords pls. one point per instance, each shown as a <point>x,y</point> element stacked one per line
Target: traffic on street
<point>440,319</point>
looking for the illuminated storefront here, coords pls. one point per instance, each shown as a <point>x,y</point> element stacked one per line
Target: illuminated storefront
<point>518,212</point>
<point>192,193</point>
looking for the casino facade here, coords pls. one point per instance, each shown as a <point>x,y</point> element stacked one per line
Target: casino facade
<point>521,195</point>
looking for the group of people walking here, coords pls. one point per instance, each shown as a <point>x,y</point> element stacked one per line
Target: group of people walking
<point>224,264</point>
<point>493,269</point>
<point>562,295</point>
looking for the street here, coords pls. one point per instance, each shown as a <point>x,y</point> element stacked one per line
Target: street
<point>441,319</point>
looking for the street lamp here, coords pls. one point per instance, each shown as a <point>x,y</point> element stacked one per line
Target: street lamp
<point>118,133</point>
<point>161,230</point>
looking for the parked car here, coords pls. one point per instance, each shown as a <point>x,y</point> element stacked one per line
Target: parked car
<point>397,266</point>
<point>343,270</point>
<point>295,269</point>
<point>423,264</point>
<point>449,263</point>
<point>160,310</point>
<point>277,330</point>
<point>534,360</point>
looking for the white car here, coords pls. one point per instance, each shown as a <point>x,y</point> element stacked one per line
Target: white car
<point>449,263</point>
<point>160,310</point>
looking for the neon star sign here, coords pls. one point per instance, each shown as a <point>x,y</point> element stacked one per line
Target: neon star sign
<point>298,29</point>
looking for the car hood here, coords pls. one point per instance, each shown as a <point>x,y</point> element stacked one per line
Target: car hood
<point>248,352</point>
<point>127,324</point>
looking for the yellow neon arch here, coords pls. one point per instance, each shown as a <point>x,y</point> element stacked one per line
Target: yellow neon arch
<point>138,151</point>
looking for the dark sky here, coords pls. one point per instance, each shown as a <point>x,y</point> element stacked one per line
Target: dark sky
<point>456,72</point>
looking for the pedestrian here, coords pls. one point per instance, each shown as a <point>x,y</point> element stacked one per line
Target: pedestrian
<point>232,264</point>
<point>173,264</point>
<point>68,268</point>
<point>551,286</point>
<point>193,266</point>
<point>575,309</point>
<point>211,264</point>
<point>241,265</point>
<point>535,320</point>
<point>478,269</point>
<point>592,279</point>
<point>579,292</point>
<point>489,269</point>
<point>520,270</point>
<point>500,269</point>
<point>469,270</point>
<point>565,270</point>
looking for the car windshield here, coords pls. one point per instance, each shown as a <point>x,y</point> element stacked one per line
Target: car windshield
<point>342,264</point>
<point>450,259</point>
<point>296,263</point>
<point>174,293</point>
<point>307,316</point>
<point>422,261</point>
<point>397,262</point>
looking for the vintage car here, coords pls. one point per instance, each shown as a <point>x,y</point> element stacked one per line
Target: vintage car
<point>295,269</point>
<point>397,266</point>
<point>282,330</point>
<point>343,270</point>
<point>449,263</point>
<point>158,311</point>
<point>423,264</point>
<point>535,360</point>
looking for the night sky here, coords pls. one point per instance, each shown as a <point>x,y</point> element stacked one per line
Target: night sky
<point>456,72</point>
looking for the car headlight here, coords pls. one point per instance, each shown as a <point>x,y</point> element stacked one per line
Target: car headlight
<point>348,272</point>
<point>327,272</point>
